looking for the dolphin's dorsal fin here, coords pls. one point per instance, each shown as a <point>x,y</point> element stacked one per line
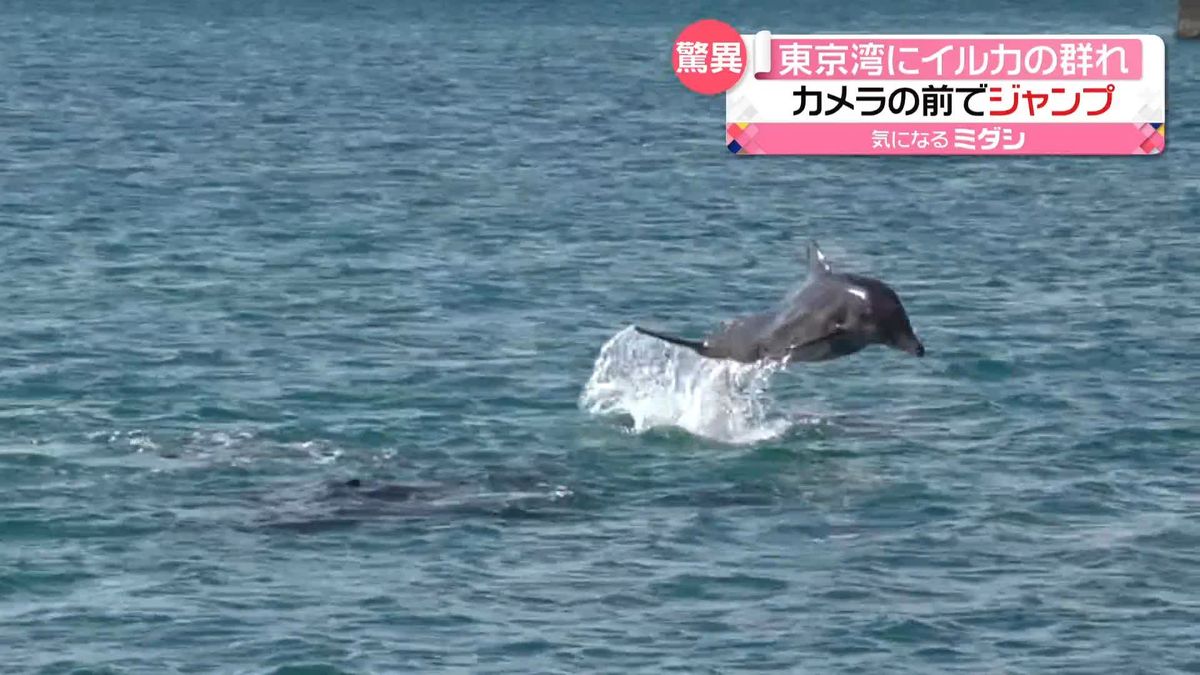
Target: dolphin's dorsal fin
<point>817,265</point>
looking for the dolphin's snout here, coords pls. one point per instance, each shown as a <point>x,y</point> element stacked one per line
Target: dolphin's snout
<point>908,344</point>
<point>912,346</point>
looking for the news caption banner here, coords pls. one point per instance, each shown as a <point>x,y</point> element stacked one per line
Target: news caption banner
<point>930,94</point>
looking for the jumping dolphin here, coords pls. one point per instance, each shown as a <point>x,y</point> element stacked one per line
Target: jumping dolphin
<point>833,315</point>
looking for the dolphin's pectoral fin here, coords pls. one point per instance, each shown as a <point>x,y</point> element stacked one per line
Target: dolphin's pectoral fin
<point>698,347</point>
<point>834,332</point>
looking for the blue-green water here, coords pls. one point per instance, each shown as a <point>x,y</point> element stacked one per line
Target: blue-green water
<point>251,251</point>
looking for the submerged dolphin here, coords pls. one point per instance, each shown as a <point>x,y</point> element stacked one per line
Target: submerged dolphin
<point>833,315</point>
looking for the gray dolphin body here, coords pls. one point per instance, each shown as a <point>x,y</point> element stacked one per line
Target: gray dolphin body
<point>833,315</point>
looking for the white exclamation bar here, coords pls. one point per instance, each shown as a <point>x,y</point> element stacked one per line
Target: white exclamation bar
<point>762,52</point>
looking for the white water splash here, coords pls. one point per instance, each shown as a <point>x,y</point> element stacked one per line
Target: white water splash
<point>662,385</point>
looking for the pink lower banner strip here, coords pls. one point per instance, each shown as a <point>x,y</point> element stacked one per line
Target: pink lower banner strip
<point>924,138</point>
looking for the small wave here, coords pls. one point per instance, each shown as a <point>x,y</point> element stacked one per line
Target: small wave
<point>659,385</point>
<point>229,447</point>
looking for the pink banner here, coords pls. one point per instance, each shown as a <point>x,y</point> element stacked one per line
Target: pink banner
<point>945,139</point>
<point>852,58</point>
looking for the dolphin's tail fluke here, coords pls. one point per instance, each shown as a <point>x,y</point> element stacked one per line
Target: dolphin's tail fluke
<point>698,347</point>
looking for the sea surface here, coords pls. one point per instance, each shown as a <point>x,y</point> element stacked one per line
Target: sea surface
<point>315,358</point>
